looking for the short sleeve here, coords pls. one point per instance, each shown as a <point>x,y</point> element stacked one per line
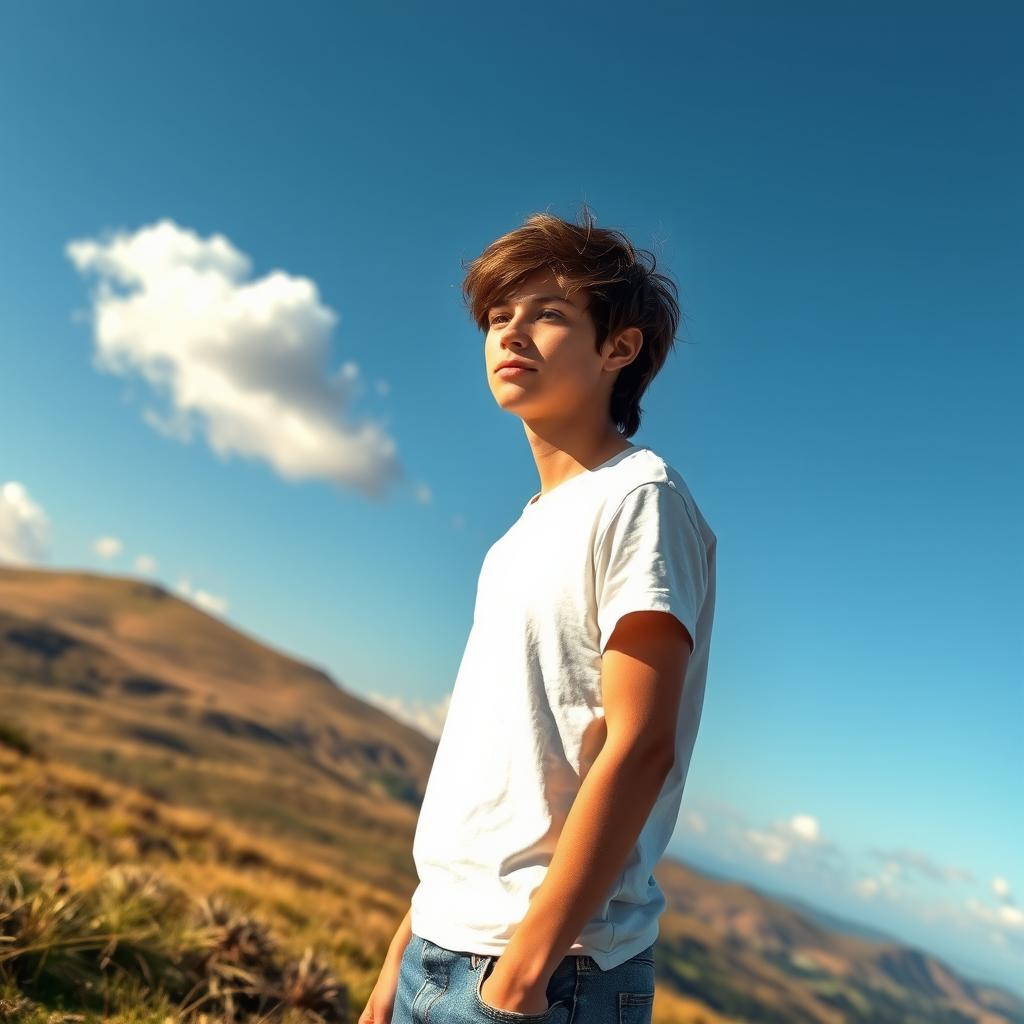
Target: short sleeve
<point>650,557</point>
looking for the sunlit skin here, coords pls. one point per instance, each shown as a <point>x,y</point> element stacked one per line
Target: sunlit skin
<point>563,404</point>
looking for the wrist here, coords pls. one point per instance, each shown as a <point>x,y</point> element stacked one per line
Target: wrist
<point>529,969</point>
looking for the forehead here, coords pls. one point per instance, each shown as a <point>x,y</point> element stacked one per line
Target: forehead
<point>543,283</point>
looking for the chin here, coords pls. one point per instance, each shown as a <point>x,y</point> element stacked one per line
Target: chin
<point>507,398</point>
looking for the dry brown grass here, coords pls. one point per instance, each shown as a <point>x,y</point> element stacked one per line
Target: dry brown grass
<point>115,907</point>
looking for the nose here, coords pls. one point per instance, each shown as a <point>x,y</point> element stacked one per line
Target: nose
<point>512,332</point>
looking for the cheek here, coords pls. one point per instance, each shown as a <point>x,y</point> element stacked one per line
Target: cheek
<point>573,368</point>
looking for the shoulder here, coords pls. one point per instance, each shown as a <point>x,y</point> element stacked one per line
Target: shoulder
<point>647,481</point>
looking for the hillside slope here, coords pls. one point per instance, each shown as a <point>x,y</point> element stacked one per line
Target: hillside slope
<point>122,681</point>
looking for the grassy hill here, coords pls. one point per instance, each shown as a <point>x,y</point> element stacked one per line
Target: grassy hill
<point>192,823</point>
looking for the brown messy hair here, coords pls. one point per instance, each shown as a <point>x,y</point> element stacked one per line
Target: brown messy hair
<point>620,281</point>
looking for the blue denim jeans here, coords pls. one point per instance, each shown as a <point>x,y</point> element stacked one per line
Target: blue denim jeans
<point>442,986</point>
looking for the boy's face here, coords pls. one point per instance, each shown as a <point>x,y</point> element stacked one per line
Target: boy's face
<point>556,338</point>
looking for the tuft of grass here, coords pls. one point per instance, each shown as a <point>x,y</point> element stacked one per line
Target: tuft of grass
<point>136,948</point>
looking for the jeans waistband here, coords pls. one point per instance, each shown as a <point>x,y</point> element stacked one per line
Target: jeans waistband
<point>582,960</point>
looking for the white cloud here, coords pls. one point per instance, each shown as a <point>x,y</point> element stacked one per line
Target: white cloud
<point>805,826</point>
<point>696,822</point>
<point>210,602</point>
<point>895,879</point>
<point>779,842</point>
<point>243,361</point>
<point>145,564</point>
<point>1011,916</point>
<point>24,526</point>
<point>796,847</point>
<point>771,846</point>
<point>922,864</point>
<point>867,887</point>
<point>421,492</point>
<point>107,547</point>
<point>203,599</point>
<point>887,884</point>
<point>428,718</point>
<point>1006,916</point>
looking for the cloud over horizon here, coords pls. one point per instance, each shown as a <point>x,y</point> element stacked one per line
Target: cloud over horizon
<point>428,718</point>
<point>208,602</point>
<point>24,526</point>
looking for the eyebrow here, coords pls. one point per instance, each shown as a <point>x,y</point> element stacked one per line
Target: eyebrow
<point>535,298</point>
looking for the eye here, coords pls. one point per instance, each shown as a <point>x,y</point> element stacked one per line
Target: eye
<point>494,319</point>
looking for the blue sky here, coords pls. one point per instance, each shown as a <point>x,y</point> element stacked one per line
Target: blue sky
<point>836,188</point>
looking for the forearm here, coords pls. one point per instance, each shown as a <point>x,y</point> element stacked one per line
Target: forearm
<point>610,809</point>
<point>401,939</point>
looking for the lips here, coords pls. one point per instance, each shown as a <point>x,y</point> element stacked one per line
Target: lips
<point>512,364</point>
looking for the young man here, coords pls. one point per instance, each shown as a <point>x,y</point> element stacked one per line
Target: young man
<point>559,774</point>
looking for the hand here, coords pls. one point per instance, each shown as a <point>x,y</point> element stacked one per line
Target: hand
<point>503,994</point>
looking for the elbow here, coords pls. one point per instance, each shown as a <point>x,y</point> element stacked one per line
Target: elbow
<point>667,760</point>
<point>647,758</point>
<point>661,756</point>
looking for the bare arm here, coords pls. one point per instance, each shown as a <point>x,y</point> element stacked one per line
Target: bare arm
<point>402,936</point>
<point>381,1004</point>
<point>642,674</point>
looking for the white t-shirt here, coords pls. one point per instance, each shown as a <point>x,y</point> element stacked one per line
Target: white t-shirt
<point>523,724</point>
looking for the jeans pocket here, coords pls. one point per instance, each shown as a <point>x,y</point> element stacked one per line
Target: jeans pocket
<point>508,1016</point>
<point>636,1007</point>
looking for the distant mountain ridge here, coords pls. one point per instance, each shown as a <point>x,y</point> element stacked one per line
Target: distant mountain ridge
<point>123,678</point>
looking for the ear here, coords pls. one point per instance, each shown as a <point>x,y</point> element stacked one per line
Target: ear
<point>625,347</point>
